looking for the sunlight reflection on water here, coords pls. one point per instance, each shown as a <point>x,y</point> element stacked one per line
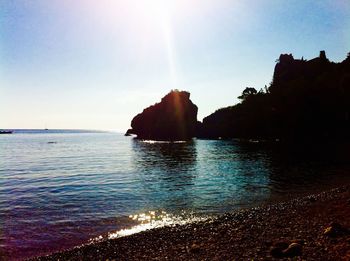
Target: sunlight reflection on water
<point>155,219</point>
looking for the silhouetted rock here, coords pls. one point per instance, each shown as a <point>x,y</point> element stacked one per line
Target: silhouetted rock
<point>174,118</point>
<point>307,100</point>
<point>128,132</point>
<point>323,55</point>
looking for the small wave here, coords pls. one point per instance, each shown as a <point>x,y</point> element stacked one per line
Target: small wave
<point>162,141</point>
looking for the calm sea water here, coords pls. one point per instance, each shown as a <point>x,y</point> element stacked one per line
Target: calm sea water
<point>60,188</point>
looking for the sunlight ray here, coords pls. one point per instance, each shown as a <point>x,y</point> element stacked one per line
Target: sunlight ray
<point>162,9</point>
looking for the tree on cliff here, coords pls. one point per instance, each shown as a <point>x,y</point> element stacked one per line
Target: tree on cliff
<point>248,91</point>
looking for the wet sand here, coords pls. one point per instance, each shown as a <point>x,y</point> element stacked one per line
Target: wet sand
<point>314,227</point>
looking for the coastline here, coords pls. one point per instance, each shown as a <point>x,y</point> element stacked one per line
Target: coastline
<point>245,234</point>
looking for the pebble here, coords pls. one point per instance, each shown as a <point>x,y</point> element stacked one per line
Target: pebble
<point>335,229</point>
<point>283,249</point>
<point>195,248</point>
<point>293,250</point>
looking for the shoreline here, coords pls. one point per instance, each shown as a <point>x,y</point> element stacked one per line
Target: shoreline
<point>257,233</point>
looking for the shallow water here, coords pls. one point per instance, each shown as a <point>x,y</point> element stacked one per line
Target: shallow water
<point>63,188</point>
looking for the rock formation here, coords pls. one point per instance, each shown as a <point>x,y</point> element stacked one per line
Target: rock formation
<point>307,100</point>
<point>174,118</point>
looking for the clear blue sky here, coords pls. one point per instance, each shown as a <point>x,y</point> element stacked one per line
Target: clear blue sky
<point>96,64</point>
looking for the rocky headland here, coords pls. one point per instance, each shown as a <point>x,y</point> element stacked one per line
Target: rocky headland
<point>306,100</point>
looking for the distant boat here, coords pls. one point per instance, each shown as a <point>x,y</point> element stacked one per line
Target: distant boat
<point>6,132</point>
<point>46,129</point>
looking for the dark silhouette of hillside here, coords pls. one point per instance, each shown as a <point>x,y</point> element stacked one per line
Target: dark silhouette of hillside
<point>174,118</point>
<point>306,100</point>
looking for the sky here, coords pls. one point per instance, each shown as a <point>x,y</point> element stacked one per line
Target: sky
<point>86,64</point>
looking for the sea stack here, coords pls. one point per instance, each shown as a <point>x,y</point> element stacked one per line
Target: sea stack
<point>174,118</point>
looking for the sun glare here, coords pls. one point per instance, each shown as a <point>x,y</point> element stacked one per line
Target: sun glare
<point>154,6</point>
<point>162,10</point>
<point>146,25</point>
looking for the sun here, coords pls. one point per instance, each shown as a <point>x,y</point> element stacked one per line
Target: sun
<point>158,6</point>
<point>146,28</point>
<point>159,15</point>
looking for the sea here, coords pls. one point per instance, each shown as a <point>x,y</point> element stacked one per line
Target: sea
<point>64,188</point>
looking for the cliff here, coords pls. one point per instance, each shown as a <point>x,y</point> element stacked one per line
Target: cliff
<point>306,100</point>
<point>174,118</point>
